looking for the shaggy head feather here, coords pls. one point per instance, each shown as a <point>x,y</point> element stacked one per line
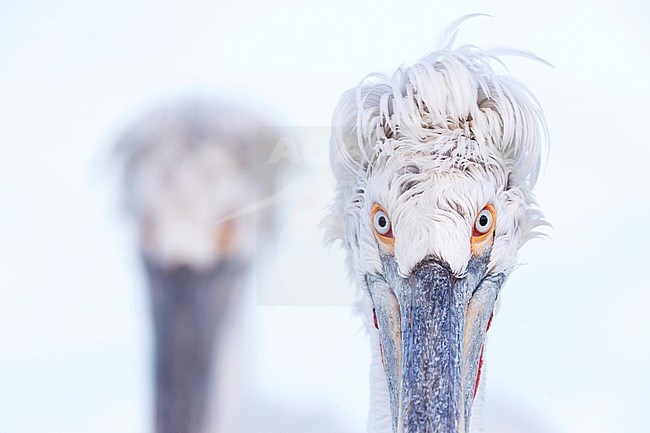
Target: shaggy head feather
<point>430,143</point>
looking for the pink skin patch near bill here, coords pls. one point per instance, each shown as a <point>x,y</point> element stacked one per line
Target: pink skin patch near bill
<point>480,360</point>
<point>374,319</point>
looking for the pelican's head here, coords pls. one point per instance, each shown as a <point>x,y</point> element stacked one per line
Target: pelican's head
<point>193,173</point>
<point>434,168</point>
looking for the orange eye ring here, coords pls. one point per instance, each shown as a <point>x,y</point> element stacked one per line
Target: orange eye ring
<point>382,225</point>
<point>483,228</point>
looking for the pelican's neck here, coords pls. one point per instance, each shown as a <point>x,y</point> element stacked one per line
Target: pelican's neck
<point>476,423</point>
<point>379,416</point>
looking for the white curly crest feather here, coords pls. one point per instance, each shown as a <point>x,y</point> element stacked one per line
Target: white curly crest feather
<point>452,109</point>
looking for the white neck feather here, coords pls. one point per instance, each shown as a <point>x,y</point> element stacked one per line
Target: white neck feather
<point>379,415</point>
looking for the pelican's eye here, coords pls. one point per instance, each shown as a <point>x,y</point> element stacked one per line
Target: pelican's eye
<point>483,227</point>
<point>382,225</point>
<point>483,222</point>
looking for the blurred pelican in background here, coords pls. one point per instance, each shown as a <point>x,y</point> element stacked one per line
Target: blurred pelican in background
<point>197,181</point>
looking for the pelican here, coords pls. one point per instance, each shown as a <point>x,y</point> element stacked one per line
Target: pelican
<point>435,167</point>
<point>193,172</point>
